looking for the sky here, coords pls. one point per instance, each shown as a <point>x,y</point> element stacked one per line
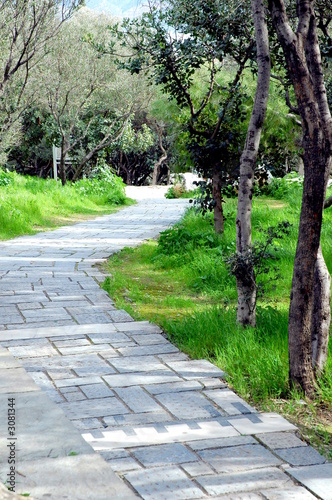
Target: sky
<point>117,8</point>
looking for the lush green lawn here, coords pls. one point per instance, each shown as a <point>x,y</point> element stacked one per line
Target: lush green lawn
<point>183,284</point>
<point>29,204</point>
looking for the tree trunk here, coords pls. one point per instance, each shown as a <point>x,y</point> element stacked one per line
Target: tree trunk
<point>163,157</point>
<point>321,313</point>
<point>309,313</point>
<point>246,310</point>
<point>218,214</point>
<point>64,150</point>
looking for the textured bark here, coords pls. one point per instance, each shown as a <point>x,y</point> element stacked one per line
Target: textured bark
<point>218,215</point>
<point>321,313</point>
<point>309,316</point>
<point>163,157</point>
<point>62,167</point>
<point>246,311</point>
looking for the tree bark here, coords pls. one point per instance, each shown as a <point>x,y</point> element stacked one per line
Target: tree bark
<point>309,313</point>
<point>218,215</point>
<point>64,150</point>
<point>160,161</point>
<point>246,310</point>
<point>321,313</point>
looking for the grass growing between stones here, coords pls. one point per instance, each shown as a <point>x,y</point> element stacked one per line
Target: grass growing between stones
<point>29,204</point>
<point>182,283</point>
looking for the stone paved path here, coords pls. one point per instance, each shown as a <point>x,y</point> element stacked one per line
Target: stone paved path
<point>168,427</point>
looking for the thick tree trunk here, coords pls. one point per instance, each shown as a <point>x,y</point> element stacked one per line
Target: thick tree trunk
<point>246,311</point>
<point>218,214</point>
<point>321,313</point>
<point>309,312</point>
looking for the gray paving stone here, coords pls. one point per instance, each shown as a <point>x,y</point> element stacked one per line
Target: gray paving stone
<point>107,350</point>
<point>137,327</point>
<point>163,483</point>
<point>188,405</point>
<point>141,378</point>
<point>237,458</point>
<point>150,339</point>
<point>84,424</point>
<point>164,454</point>
<point>275,440</point>
<point>119,316</point>
<point>195,369</point>
<point>291,493</point>
<point>301,456</point>
<point>96,391</point>
<point>317,478</point>
<point>16,380</point>
<point>186,385</point>
<point>108,338</point>
<point>244,481</point>
<point>94,408</point>
<point>147,350</point>
<point>222,442</point>
<point>137,364</point>
<point>33,350</point>
<point>198,468</point>
<point>124,464</point>
<point>71,342</point>
<point>74,396</point>
<point>229,402</point>
<point>77,381</point>
<point>264,422</point>
<point>137,400</point>
<point>133,419</point>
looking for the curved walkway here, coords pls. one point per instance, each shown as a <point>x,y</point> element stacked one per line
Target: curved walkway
<point>84,377</point>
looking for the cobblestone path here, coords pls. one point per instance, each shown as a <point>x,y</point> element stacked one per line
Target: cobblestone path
<point>167,426</point>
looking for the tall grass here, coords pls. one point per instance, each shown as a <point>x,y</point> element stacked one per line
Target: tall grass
<point>28,204</point>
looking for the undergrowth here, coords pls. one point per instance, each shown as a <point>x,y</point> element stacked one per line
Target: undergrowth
<point>29,204</point>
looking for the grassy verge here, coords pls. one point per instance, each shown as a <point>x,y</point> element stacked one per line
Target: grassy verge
<point>183,284</point>
<point>29,204</point>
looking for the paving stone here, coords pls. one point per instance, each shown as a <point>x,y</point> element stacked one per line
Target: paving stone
<point>213,383</point>
<point>94,408</point>
<point>87,318</point>
<point>137,399</point>
<point>195,369</point>
<point>164,454</point>
<point>37,315</point>
<point>262,423</point>
<point>230,402</point>
<point>77,381</point>
<point>7,360</point>
<point>96,391</point>
<point>188,405</point>
<point>237,458</point>
<point>186,385</point>
<point>163,483</point>
<point>275,440</point>
<point>317,478</point>
<point>90,348</point>
<point>124,464</point>
<point>108,338</point>
<point>301,456</point>
<point>222,442</point>
<point>291,493</point>
<point>141,378</point>
<point>133,419</point>
<point>137,327</point>
<point>71,342</point>
<point>147,350</point>
<point>75,396</point>
<point>84,424</point>
<point>120,316</point>
<point>150,339</point>
<point>137,363</point>
<point>198,468</point>
<point>244,481</point>
<point>60,373</point>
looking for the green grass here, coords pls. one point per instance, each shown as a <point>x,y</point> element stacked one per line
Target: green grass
<point>183,284</point>
<point>29,204</point>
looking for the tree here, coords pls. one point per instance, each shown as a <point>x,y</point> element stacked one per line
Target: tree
<point>187,39</point>
<point>27,28</point>
<point>245,279</point>
<point>85,92</point>
<point>309,314</point>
